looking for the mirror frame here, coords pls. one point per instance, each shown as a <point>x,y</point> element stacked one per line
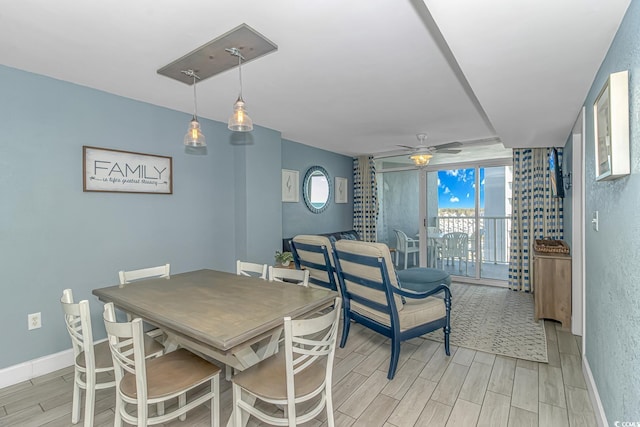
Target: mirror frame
<point>305,188</point>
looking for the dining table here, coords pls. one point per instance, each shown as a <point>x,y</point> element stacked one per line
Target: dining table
<point>236,320</point>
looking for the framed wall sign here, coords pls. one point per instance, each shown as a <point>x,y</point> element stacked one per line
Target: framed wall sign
<point>290,186</point>
<point>611,128</point>
<point>342,192</point>
<point>125,171</point>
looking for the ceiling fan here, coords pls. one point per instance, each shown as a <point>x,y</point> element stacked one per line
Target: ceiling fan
<point>422,153</point>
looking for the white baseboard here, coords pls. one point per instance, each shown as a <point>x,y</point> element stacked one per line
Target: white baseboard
<point>34,368</point>
<point>598,409</point>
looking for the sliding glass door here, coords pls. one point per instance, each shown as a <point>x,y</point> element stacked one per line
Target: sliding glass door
<point>460,216</point>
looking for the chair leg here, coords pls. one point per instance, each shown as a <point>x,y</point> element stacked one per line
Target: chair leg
<point>447,332</point>
<point>89,399</point>
<point>346,324</point>
<point>75,408</point>
<point>182,400</point>
<point>237,412</point>
<point>329,406</point>
<point>395,355</point>
<point>117,421</point>
<point>215,402</point>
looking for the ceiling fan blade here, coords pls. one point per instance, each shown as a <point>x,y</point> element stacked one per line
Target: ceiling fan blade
<point>408,147</point>
<point>448,150</point>
<point>449,145</point>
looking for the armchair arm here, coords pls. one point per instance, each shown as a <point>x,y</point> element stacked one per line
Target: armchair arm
<point>419,295</point>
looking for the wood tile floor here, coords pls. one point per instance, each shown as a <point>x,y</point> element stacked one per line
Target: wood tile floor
<point>469,388</point>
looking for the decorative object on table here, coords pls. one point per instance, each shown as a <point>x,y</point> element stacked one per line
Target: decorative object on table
<point>611,128</point>
<point>284,258</point>
<point>317,189</point>
<point>239,120</point>
<point>495,320</point>
<point>194,136</point>
<point>342,190</point>
<point>107,170</point>
<point>290,186</point>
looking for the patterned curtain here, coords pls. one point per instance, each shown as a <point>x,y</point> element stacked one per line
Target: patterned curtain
<point>365,198</point>
<point>535,213</point>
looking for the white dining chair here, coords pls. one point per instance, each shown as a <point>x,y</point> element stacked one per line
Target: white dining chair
<point>299,377</point>
<point>289,275</point>
<point>141,382</point>
<point>130,276</point>
<point>93,365</point>
<point>144,273</point>
<point>244,268</point>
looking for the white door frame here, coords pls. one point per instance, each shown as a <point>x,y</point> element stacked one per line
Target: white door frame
<point>578,227</point>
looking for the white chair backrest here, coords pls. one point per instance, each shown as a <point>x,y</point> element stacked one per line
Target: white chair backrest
<point>455,244</point>
<point>323,273</point>
<point>247,268</point>
<point>371,249</point>
<point>289,275</point>
<point>127,349</point>
<point>144,273</point>
<point>77,319</point>
<point>309,341</point>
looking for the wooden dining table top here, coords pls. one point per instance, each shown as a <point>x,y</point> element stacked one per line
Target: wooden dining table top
<point>217,309</point>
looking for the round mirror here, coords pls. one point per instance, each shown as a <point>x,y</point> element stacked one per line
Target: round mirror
<point>317,189</point>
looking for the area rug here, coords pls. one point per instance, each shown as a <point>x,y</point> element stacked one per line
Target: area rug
<point>495,320</point>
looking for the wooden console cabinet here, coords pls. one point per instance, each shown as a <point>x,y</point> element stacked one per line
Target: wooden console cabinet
<point>552,287</point>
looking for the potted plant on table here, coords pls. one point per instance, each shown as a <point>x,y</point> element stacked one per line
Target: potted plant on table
<point>284,258</point>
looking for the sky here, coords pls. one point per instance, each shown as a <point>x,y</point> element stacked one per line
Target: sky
<point>456,188</point>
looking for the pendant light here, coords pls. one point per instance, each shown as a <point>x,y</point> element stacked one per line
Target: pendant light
<point>239,120</point>
<point>194,136</point>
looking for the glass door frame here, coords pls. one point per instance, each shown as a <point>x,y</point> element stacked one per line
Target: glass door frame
<point>423,217</point>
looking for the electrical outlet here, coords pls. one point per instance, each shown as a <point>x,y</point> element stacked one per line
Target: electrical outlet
<point>34,321</point>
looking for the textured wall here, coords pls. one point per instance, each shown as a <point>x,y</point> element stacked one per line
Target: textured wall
<point>54,236</point>
<point>296,218</point>
<point>613,253</point>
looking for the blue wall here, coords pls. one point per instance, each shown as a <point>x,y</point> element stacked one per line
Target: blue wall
<point>226,204</point>
<point>612,329</point>
<point>296,218</point>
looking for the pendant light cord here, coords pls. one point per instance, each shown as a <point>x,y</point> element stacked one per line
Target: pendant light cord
<point>195,99</point>
<point>240,72</point>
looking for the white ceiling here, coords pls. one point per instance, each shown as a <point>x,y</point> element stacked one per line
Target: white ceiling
<point>353,77</point>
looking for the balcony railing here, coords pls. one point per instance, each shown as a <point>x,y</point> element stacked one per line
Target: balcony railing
<point>494,232</point>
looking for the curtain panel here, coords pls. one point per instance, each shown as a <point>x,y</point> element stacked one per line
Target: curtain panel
<point>365,198</point>
<point>535,213</point>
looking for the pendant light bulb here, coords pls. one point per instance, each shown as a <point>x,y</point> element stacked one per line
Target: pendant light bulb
<point>239,120</point>
<point>194,136</point>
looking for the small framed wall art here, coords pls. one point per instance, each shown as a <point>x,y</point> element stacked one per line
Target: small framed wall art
<point>290,186</point>
<point>106,170</point>
<point>342,191</point>
<point>611,128</point>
